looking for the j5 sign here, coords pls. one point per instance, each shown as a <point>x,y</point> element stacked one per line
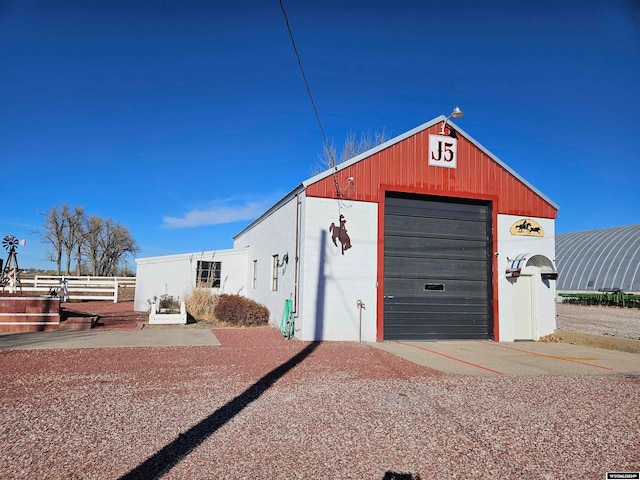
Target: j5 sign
<point>442,151</point>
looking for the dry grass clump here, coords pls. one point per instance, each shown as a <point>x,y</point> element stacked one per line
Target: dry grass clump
<point>201,305</point>
<point>224,310</point>
<point>551,338</point>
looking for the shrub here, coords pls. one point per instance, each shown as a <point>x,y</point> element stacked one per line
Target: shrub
<point>201,304</point>
<point>241,311</point>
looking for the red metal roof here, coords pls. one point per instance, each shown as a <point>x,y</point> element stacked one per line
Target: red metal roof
<point>402,164</point>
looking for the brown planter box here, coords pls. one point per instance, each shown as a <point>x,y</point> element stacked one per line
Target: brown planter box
<point>29,314</point>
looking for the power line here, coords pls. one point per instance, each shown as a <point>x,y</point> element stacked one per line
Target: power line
<point>304,77</point>
<point>334,163</point>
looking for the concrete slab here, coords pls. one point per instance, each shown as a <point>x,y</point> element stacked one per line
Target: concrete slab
<point>147,337</point>
<point>485,358</point>
<point>600,341</point>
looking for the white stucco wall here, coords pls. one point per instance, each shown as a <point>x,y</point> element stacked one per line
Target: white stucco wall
<point>176,275</point>
<point>332,283</point>
<point>509,246</point>
<point>274,235</point>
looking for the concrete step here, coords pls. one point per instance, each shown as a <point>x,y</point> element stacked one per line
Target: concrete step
<point>76,324</point>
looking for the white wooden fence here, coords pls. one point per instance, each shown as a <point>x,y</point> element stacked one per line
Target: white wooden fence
<point>79,288</point>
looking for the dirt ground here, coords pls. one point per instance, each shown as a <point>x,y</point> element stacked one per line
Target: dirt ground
<point>113,316</point>
<point>606,321</point>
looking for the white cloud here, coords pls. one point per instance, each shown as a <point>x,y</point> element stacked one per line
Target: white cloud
<point>219,212</point>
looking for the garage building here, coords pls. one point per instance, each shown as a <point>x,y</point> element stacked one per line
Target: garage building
<point>426,236</point>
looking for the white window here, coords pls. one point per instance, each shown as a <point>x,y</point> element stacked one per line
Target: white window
<point>255,274</point>
<point>274,276</point>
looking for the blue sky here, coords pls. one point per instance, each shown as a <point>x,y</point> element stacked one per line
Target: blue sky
<point>185,120</point>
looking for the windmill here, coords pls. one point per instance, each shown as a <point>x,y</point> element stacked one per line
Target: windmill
<point>10,273</point>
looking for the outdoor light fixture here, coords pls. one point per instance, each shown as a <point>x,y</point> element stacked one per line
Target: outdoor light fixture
<point>457,113</point>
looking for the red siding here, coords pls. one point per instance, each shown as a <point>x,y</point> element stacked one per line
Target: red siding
<point>404,166</point>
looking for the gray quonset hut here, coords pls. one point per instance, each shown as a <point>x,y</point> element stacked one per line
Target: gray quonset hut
<point>598,259</point>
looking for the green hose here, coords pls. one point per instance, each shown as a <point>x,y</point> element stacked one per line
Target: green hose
<point>286,322</point>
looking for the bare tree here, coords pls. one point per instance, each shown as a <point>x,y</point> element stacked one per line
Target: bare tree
<point>81,234</point>
<point>72,234</point>
<point>106,243</point>
<point>352,147</point>
<point>53,234</point>
<point>91,244</point>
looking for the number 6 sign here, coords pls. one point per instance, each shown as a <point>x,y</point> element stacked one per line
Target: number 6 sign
<point>442,151</point>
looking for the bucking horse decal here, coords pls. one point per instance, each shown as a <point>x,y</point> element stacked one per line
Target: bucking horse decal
<point>340,232</point>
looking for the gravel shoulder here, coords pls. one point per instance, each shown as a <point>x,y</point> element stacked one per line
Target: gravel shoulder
<point>604,321</point>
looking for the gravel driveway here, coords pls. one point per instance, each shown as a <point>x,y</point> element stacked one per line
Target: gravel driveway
<point>262,407</point>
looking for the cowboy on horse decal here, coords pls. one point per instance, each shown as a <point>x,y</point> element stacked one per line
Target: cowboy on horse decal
<point>340,232</point>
